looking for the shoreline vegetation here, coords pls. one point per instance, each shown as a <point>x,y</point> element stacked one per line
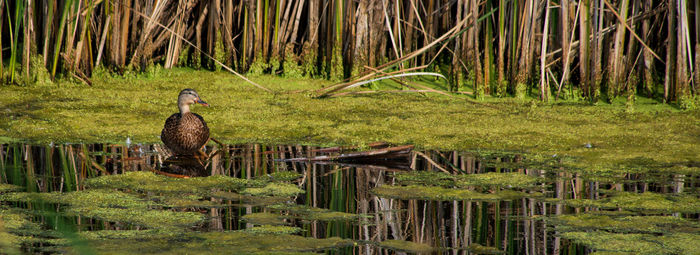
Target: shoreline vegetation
<point>592,50</point>
<point>607,135</point>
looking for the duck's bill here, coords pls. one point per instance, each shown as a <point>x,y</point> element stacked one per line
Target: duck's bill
<point>199,101</point>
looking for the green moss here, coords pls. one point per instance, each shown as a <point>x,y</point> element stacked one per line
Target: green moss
<point>406,246</point>
<point>446,194</point>
<point>275,189</point>
<point>643,202</point>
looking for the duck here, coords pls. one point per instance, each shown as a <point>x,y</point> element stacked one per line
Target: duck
<point>185,133</point>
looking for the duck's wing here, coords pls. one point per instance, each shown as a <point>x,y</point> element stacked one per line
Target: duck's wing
<point>170,130</point>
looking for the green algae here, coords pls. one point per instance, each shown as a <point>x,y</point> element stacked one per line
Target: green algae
<point>4,187</point>
<point>481,249</point>
<point>150,182</point>
<point>406,246</point>
<point>425,178</point>
<point>112,206</point>
<point>272,229</point>
<point>491,179</point>
<point>189,201</point>
<point>249,200</point>
<point>275,189</point>
<point>110,110</point>
<point>446,194</point>
<point>17,229</point>
<point>674,243</point>
<point>264,218</point>
<point>505,180</point>
<point>283,176</point>
<point>625,224</point>
<point>230,242</point>
<point>312,213</point>
<point>643,202</point>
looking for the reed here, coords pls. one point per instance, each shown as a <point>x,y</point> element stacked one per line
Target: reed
<point>500,48</point>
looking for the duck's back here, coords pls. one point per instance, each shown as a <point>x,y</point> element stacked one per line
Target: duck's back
<point>185,134</point>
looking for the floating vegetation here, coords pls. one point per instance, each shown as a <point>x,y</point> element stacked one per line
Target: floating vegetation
<point>425,178</point>
<point>406,246</point>
<point>643,202</point>
<point>16,229</point>
<point>9,188</point>
<point>270,229</point>
<point>674,243</point>
<point>446,194</point>
<point>112,206</point>
<point>249,199</point>
<point>625,224</point>
<point>229,242</point>
<point>491,179</point>
<point>282,176</point>
<point>480,249</point>
<point>264,218</point>
<point>312,213</point>
<point>150,182</point>
<point>275,189</point>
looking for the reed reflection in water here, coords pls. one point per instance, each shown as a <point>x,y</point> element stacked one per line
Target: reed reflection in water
<point>512,226</point>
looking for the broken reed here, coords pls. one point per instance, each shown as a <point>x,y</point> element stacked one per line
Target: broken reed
<point>597,49</point>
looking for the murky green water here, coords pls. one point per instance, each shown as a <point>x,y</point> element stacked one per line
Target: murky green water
<point>102,198</point>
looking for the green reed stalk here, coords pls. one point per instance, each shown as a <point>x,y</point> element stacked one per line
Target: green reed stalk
<point>14,36</point>
<point>61,27</point>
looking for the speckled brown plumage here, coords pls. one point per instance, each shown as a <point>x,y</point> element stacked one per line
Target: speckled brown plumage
<point>184,134</point>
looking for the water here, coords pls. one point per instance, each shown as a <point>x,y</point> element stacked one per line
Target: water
<point>430,201</point>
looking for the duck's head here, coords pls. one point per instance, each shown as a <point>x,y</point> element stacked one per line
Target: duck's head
<point>188,97</point>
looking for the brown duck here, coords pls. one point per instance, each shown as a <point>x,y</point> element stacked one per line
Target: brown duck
<point>185,133</point>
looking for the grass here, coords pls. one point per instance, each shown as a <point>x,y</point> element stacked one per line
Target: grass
<point>136,107</point>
